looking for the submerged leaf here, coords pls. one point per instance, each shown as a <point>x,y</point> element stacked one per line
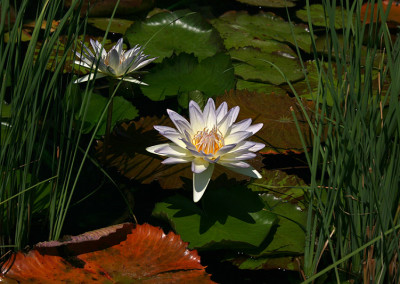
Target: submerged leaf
<point>166,33</point>
<point>118,254</point>
<point>270,3</point>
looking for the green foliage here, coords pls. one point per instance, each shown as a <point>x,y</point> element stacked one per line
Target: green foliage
<point>184,74</point>
<point>168,33</point>
<point>233,218</point>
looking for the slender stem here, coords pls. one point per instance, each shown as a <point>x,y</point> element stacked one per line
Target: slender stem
<point>109,119</point>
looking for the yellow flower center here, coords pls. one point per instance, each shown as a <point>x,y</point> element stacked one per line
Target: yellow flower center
<point>208,141</point>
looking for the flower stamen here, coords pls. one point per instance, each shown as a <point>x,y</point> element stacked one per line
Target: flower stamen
<point>208,141</point>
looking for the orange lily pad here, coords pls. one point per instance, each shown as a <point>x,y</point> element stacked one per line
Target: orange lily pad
<point>393,17</point>
<point>128,254</point>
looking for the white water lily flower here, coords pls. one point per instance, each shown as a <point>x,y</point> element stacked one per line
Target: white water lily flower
<point>210,138</point>
<point>115,63</point>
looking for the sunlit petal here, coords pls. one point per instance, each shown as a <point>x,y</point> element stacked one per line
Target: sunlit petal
<point>200,182</point>
<point>199,165</point>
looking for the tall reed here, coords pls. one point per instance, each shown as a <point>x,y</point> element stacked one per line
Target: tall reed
<point>353,218</point>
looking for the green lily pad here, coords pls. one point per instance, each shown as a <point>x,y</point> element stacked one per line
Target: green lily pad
<point>183,74</point>
<point>269,3</point>
<point>254,66</point>
<point>290,188</point>
<point>167,33</point>
<point>231,218</point>
<point>319,18</point>
<point>279,131</point>
<point>259,87</point>
<point>117,25</point>
<point>286,241</point>
<point>239,29</point>
<point>122,110</point>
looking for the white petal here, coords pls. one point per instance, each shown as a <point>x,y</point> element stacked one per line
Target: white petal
<point>241,125</point>
<point>199,165</point>
<point>232,157</point>
<point>196,117</point>
<point>172,150</point>
<point>174,137</point>
<point>209,116</point>
<point>234,164</point>
<point>89,77</point>
<point>174,116</point>
<point>141,64</point>
<point>225,149</point>
<point>175,160</point>
<point>118,46</point>
<point>221,111</point>
<point>162,128</point>
<point>250,171</point>
<point>200,182</point>
<point>154,148</point>
<point>255,128</point>
<point>113,59</point>
<point>132,80</point>
<point>257,147</point>
<point>237,137</point>
<point>228,120</point>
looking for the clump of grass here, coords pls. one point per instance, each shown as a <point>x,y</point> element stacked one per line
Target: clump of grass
<point>353,221</point>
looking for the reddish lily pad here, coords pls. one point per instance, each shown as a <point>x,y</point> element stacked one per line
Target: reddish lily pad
<point>394,14</point>
<point>279,131</point>
<point>144,255</point>
<point>127,152</point>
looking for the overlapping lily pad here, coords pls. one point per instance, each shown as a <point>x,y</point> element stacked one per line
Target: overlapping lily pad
<point>239,29</point>
<point>255,64</point>
<point>279,131</point>
<point>231,217</point>
<point>183,74</point>
<point>127,152</point>
<point>117,254</point>
<point>320,18</point>
<point>166,33</point>
<point>117,25</point>
<point>259,87</point>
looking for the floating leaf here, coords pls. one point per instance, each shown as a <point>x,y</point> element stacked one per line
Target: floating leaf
<point>117,25</point>
<point>174,32</point>
<point>393,18</point>
<point>127,152</point>
<point>286,244</point>
<point>259,87</point>
<point>105,8</point>
<point>239,29</point>
<point>270,3</point>
<point>319,18</point>
<point>118,254</point>
<point>232,217</point>
<point>122,110</point>
<point>279,131</point>
<point>184,74</point>
<point>254,65</point>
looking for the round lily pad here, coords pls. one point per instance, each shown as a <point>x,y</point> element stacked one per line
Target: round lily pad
<point>232,217</point>
<point>167,33</point>
<point>319,18</point>
<point>183,74</point>
<point>239,29</point>
<point>117,25</point>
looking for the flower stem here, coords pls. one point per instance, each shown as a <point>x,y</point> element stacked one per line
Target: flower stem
<point>109,119</point>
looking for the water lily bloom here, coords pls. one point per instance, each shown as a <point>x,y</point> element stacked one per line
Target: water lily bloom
<point>115,63</point>
<point>211,137</point>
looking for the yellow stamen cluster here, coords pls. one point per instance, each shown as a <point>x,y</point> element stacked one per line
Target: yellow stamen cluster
<point>208,141</point>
